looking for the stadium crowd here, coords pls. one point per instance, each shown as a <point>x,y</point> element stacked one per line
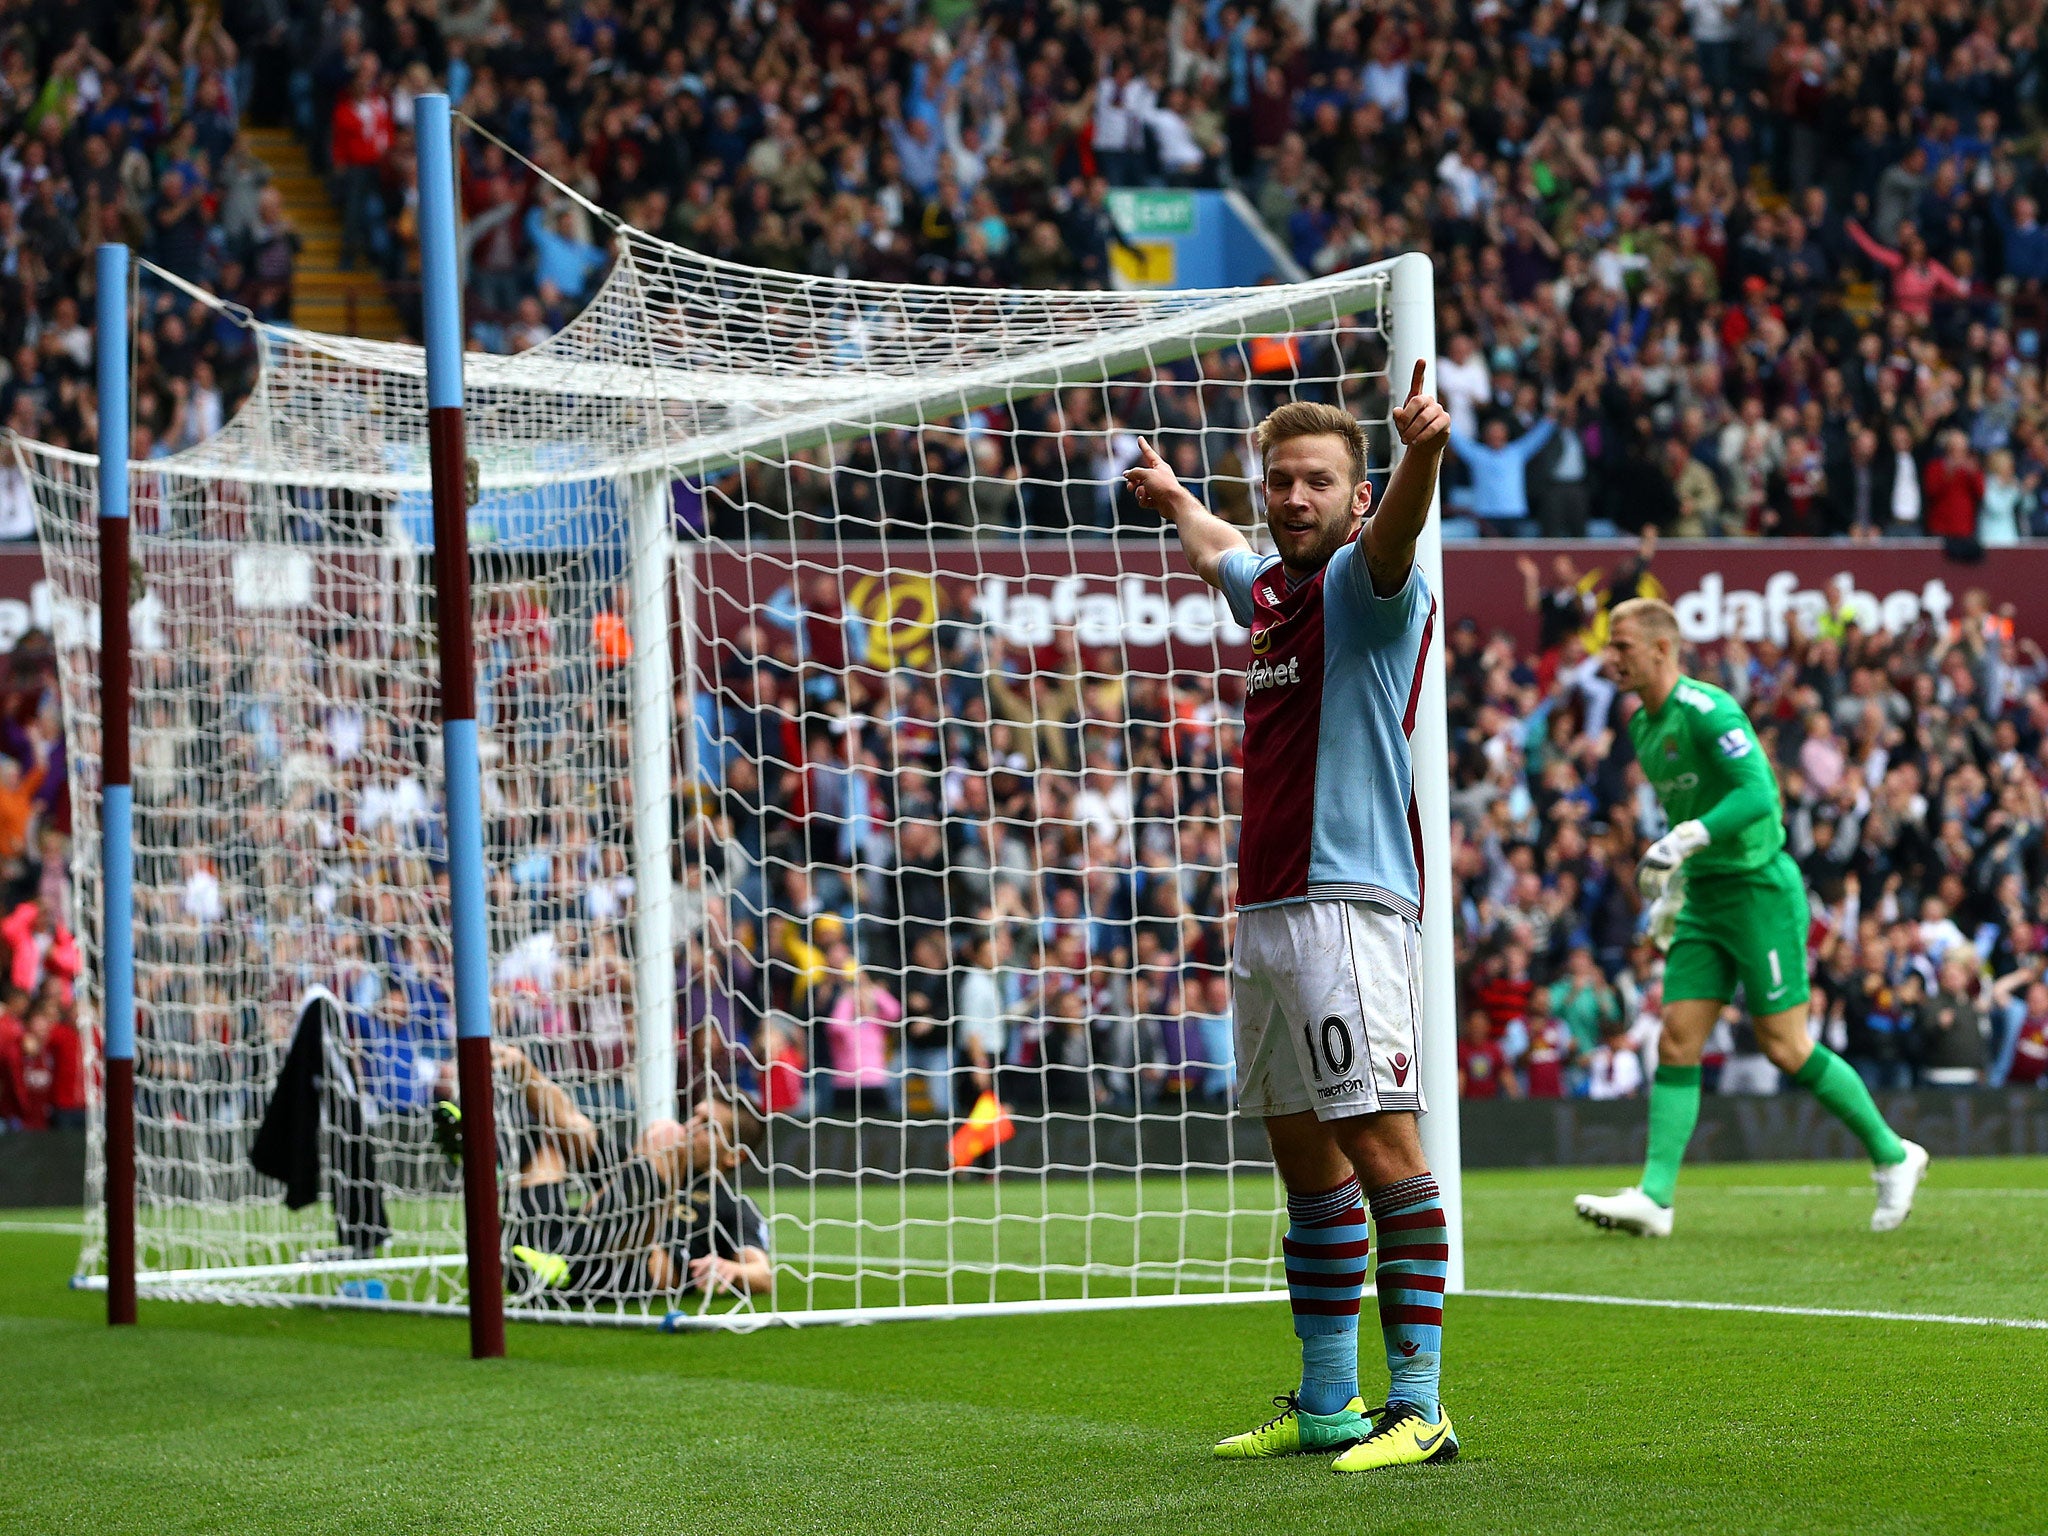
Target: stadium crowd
<point>44,1056</point>
<point>1766,268</point>
<point>124,124</point>
<point>1731,269</point>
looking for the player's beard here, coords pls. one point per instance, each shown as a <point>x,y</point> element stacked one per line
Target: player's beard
<point>1332,537</point>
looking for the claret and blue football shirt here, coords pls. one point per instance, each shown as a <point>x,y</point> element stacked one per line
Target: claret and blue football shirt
<point>1330,696</point>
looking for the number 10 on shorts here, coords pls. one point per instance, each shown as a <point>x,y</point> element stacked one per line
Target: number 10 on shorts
<point>1336,1049</point>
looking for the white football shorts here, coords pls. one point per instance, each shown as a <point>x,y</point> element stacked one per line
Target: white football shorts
<point>1328,999</point>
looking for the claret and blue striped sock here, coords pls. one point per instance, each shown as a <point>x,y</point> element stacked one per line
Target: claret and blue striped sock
<point>1414,1257</point>
<point>1326,1247</point>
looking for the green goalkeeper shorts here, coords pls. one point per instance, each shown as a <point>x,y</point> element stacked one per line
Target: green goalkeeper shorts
<point>1748,928</point>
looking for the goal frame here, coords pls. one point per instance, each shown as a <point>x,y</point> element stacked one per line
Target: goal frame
<point>117,836</point>
<point>660,577</point>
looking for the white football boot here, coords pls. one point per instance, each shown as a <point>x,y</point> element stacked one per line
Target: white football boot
<point>1895,1188</point>
<point>1629,1211</point>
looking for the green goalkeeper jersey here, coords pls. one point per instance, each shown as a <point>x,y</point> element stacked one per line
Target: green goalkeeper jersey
<point>1701,755</point>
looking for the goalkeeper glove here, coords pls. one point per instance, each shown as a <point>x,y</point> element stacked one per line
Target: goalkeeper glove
<point>447,1119</point>
<point>1664,919</point>
<point>1661,860</point>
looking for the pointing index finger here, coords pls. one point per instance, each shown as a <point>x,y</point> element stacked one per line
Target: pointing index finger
<point>1415,384</point>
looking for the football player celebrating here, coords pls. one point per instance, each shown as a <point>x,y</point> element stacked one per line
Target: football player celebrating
<point>1329,900</point>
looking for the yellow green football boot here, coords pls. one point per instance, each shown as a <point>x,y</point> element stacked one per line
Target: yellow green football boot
<point>548,1269</point>
<point>1401,1437</point>
<point>1295,1432</point>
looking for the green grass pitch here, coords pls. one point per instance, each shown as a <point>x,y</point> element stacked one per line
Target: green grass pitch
<point>1575,1418</point>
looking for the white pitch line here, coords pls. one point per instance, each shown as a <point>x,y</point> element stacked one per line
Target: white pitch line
<point>1986,1192</point>
<point>1748,1306</point>
<point>1791,1189</point>
<point>2014,1194</point>
<point>46,1228</point>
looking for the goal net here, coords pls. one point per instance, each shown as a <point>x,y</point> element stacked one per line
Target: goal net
<point>860,772</point>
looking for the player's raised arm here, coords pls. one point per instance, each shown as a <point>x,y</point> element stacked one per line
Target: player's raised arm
<point>1424,428</point>
<point>1204,537</point>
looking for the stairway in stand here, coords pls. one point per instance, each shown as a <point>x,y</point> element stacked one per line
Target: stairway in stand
<point>324,298</point>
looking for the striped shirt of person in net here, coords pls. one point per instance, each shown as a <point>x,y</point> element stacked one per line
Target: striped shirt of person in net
<point>1326,990</point>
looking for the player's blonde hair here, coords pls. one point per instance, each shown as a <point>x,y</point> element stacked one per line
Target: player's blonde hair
<point>1653,616</point>
<point>1310,418</point>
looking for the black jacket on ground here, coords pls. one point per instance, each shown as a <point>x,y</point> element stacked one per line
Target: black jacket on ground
<point>316,1077</point>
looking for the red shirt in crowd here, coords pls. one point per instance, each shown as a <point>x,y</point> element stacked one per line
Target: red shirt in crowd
<point>782,1081</point>
<point>362,130</point>
<point>67,1067</point>
<point>1955,489</point>
<point>1505,999</point>
<point>40,1070</point>
<point>13,1089</point>
<point>39,953</point>
<point>2030,1053</point>
<point>1481,1068</point>
<point>1550,1047</point>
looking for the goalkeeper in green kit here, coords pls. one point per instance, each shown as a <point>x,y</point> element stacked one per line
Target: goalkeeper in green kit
<point>1728,906</point>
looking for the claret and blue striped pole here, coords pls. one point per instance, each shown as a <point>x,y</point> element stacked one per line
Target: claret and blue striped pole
<point>117,843</point>
<point>441,296</point>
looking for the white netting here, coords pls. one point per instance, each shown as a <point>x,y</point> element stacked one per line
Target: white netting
<point>845,574</point>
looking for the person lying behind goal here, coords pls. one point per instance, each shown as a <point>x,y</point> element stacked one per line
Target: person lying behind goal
<point>661,1221</point>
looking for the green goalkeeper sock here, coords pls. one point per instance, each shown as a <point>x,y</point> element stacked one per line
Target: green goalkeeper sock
<point>1674,1111</point>
<point>1835,1083</point>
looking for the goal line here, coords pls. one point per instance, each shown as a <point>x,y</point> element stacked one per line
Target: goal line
<point>222,1284</point>
<point>219,1286</point>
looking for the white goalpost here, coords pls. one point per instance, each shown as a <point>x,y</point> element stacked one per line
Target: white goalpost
<point>852,750</point>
